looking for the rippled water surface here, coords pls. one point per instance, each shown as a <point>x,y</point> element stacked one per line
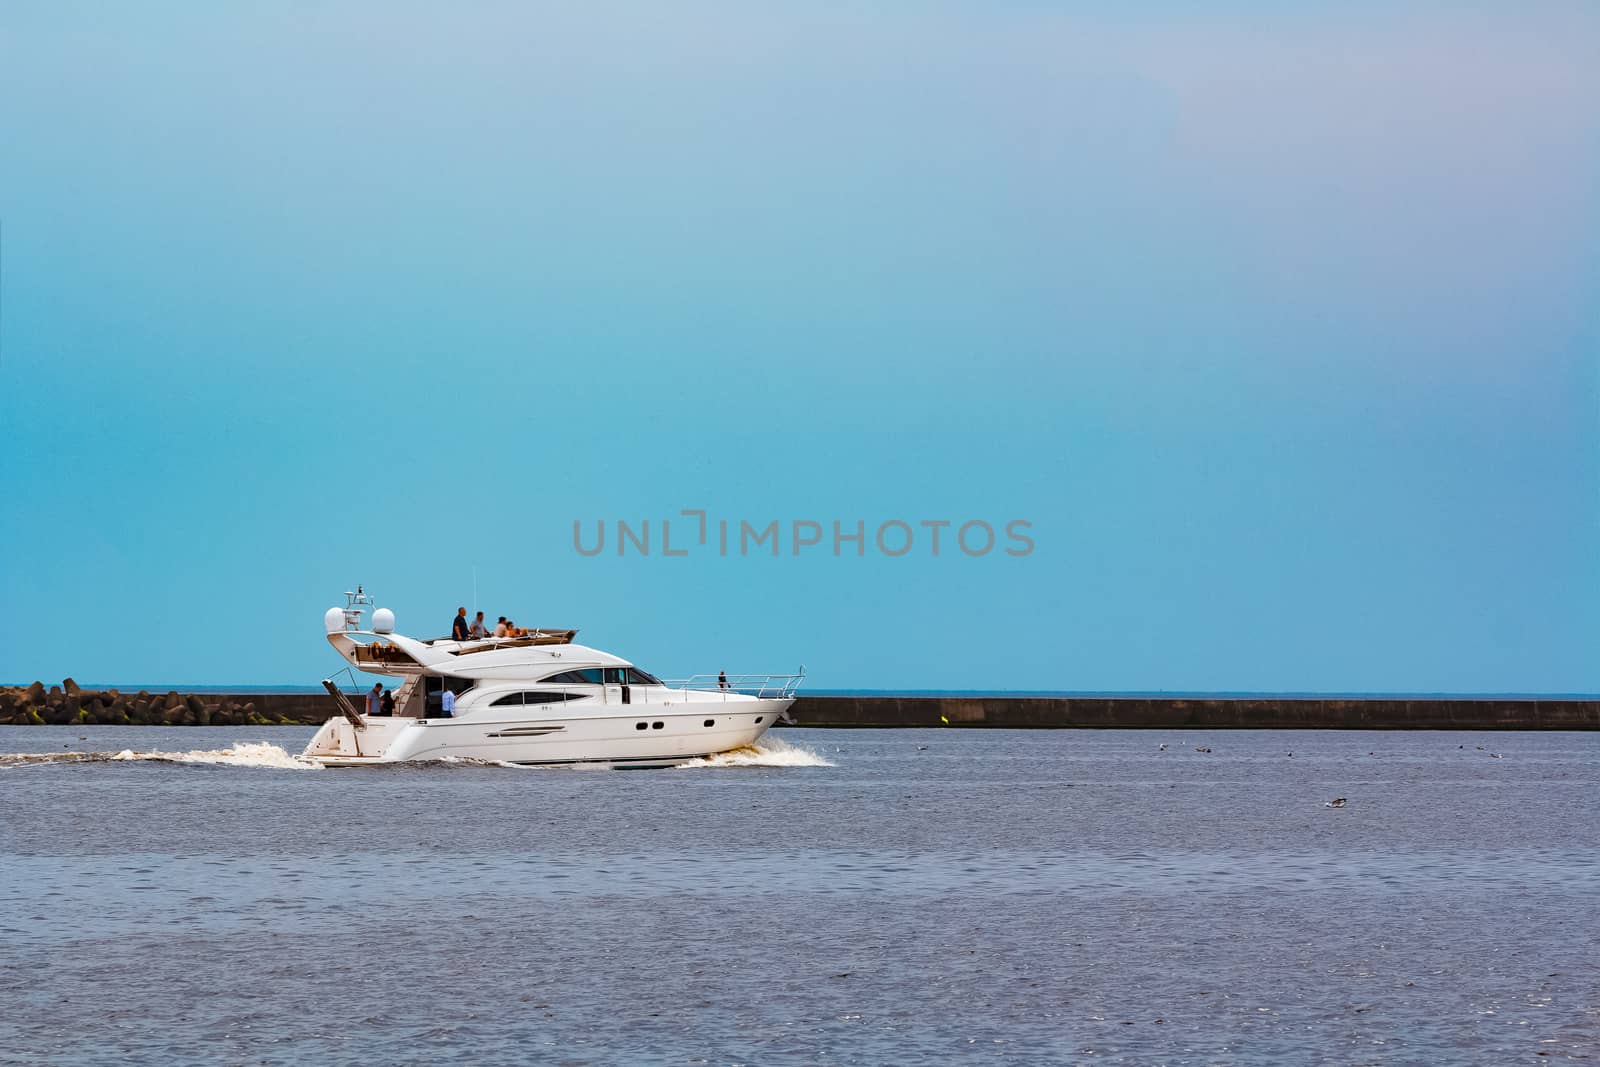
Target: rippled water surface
<point>870,896</point>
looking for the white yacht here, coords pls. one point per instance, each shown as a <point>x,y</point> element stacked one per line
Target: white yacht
<point>532,699</point>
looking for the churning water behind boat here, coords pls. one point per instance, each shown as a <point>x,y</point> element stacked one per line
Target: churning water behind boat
<point>768,752</point>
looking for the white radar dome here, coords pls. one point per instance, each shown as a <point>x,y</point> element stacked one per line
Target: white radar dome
<point>383,621</point>
<point>333,620</point>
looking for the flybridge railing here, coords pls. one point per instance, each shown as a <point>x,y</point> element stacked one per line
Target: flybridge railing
<point>764,686</point>
<point>529,637</point>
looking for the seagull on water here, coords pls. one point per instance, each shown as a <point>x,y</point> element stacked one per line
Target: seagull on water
<point>1337,802</point>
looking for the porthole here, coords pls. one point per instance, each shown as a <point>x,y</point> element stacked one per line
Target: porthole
<point>760,717</point>
<point>657,725</point>
<point>641,726</point>
<point>711,722</point>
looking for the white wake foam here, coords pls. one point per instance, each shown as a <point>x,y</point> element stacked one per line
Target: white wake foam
<point>467,761</point>
<point>767,752</point>
<point>244,754</point>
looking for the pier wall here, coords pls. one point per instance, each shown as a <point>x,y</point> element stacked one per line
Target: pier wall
<point>1177,713</point>
<point>67,704</point>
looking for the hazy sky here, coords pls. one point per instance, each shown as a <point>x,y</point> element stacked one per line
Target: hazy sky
<point>1281,329</point>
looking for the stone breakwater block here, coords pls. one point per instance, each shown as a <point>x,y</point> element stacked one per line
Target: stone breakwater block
<point>36,693</point>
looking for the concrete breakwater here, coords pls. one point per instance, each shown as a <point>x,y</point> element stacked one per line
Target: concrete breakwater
<point>1210,713</point>
<point>67,704</point>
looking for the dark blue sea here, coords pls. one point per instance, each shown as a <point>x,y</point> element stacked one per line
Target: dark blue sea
<point>837,897</point>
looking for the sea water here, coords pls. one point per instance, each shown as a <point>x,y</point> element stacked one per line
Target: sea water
<point>851,897</point>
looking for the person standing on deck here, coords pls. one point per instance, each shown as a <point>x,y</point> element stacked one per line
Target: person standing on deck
<point>375,699</point>
<point>458,627</point>
<point>386,705</point>
<point>478,631</point>
<point>447,703</point>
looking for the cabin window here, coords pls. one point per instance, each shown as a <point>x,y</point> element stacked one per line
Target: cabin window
<point>587,676</point>
<point>616,676</point>
<point>518,699</point>
<point>638,677</point>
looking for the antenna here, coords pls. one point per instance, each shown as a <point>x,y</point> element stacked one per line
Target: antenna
<point>474,590</point>
<point>355,605</point>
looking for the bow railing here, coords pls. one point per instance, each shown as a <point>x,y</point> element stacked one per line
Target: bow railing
<point>762,686</point>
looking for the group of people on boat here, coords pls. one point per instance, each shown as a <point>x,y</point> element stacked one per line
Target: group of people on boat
<point>380,701</point>
<point>476,630</point>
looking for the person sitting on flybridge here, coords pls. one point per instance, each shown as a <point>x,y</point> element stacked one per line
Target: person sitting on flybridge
<point>477,630</point>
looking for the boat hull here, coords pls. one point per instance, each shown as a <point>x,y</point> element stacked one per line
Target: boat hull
<point>639,735</point>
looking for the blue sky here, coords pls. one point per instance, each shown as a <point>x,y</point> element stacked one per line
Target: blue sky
<point>1281,330</point>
